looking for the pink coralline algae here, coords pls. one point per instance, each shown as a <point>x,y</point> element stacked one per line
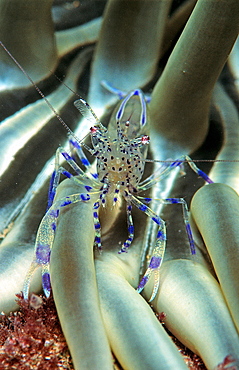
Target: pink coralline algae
<point>32,338</point>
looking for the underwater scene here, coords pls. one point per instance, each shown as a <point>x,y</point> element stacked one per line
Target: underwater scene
<point>119,181</point>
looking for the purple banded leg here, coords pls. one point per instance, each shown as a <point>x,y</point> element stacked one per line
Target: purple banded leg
<point>45,239</point>
<point>197,170</point>
<point>52,188</point>
<point>104,191</point>
<point>193,166</point>
<point>70,160</point>
<point>55,178</point>
<point>60,170</point>
<point>43,253</point>
<point>116,195</point>
<point>159,249</point>
<point>156,259</point>
<point>55,181</point>
<point>128,242</point>
<point>97,227</point>
<point>80,153</point>
<point>185,216</point>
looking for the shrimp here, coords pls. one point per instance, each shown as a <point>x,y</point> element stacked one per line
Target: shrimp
<point>120,155</point>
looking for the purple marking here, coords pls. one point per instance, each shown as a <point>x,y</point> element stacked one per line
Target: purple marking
<point>97,226</point>
<point>96,205</point>
<point>43,254</point>
<point>66,156</point>
<point>129,208</point>
<point>51,196</point>
<point>67,201</point>
<point>67,174</point>
<point>53,226</point>
<point>97,239</point>
<point>51,193</point>
<point>204,176</point>
<point>157,220</point>
<point>125,248</point>
<point>84,197</point>
<point>143,119</point>
<point>52,177</point>
<point>123,104</point>
<point>136,92</point>
<point>175,164</point>
<point>148,200</point>
<point>143,207</point>
<point>172,200</point>
<point>95,175</point>
<point>119,113</point>
<point>85,162</point>
<point>95,215</point>
<point>115,200</point>
<point>161,235</point>
<point>155,262</point>
<point>88,188</point>
<point>190,237</point>
<point>54,213</point>
<point>143,114</point>
<point>143,282</point>
<point>75,144</point>
<point>131,229</point>
<point>46,284</point>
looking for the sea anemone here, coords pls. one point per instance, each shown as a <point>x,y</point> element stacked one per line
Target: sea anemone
<point>176,51</point>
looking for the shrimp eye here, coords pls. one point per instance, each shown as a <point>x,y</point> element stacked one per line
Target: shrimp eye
<point>93,130</point>
<point>145,139</point>
<point>127,123</point>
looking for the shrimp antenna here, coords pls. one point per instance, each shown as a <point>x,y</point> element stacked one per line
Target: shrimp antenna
<point>191,160</point>
<point>40,92</point>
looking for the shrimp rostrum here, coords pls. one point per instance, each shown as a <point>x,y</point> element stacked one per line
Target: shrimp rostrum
<point>120,154</point>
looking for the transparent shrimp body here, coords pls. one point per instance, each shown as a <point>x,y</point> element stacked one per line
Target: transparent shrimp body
<point>122,150</point>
